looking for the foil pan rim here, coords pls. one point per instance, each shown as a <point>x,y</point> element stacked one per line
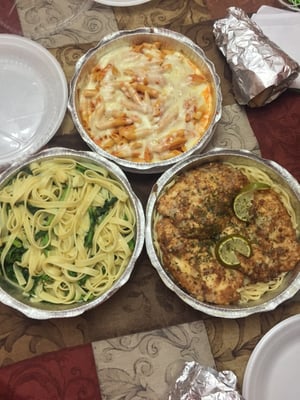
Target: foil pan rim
<point>216,311</point>
<point>146,168</point>
<point>76,310</point>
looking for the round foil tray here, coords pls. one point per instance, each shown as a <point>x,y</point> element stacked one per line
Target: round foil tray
<point>170,39</point>
<point>289,5</point>
<point>270,300</point>
<point>13,297</point>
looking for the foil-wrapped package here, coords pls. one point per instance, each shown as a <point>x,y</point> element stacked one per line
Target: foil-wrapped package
<point>197,382</point>
<point>261,70</point>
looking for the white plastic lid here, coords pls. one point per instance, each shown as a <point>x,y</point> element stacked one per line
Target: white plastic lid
<point>33,97</point>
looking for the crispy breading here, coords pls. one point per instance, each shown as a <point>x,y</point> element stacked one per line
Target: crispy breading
<point>190,263</point>
<point>196,211</point>
<point>200,201</point>
<point>274,243</point>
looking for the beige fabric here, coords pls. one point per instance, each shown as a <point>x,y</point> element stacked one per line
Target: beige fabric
<point>148,363</point>
<point>144,304</point>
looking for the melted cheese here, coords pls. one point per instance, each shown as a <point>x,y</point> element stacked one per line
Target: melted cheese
<point>145,103</point>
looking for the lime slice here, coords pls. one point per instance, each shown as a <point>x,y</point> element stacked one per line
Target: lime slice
<point>242,202</point>
<point>228,249</point>
<point>255,186</point>
<point>242,205</point>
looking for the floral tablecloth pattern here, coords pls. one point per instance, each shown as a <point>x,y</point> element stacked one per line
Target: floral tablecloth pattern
<point>144,304</point>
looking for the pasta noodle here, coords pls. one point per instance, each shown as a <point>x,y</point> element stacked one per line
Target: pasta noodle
<point>187,244</point>
<point>256,175</point>
<point>252,292</point>
<point>147,93</point>
<point>67,230</point>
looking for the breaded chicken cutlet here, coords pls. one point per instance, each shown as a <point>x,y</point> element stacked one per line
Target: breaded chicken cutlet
<point>196,212</point>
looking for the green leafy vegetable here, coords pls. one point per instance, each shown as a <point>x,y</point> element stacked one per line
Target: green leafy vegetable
<point>95,215</point>
<point>14,254</point>
<point>43,235</point>
<point>81,168</point>
<point>295,2</point>
<point>131,244</point>
<point>32,209</point>
<point>39,280</point>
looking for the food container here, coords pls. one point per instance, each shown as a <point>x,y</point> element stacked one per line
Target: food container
<point>290,4</point>
<point>155,107</point>
<point>51,264</point>
<point>280,176</point>
<point>33,97</point>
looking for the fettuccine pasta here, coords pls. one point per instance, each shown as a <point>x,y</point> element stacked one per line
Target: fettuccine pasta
<point>67,230</point>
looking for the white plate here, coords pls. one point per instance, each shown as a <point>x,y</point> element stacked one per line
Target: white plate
<point>121,3</point>
<point>272,372</point>
<point>33,97</point>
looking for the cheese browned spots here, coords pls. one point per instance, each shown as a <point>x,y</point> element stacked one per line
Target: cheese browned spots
<point>145,103</point>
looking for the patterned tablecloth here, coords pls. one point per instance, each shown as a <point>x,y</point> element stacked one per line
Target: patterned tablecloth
<point>144,306</point>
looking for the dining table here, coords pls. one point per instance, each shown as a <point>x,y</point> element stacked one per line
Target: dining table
<point>130,344</point>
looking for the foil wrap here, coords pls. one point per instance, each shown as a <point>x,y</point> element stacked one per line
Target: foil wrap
<point>198,382</point>
<point>170,39</point>
<point>261,70</point>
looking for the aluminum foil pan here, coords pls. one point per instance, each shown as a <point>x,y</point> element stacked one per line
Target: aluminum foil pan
<point>12,297</point>
<point>270,300</point>
<point>290,5</point>
<point>170,39</point>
